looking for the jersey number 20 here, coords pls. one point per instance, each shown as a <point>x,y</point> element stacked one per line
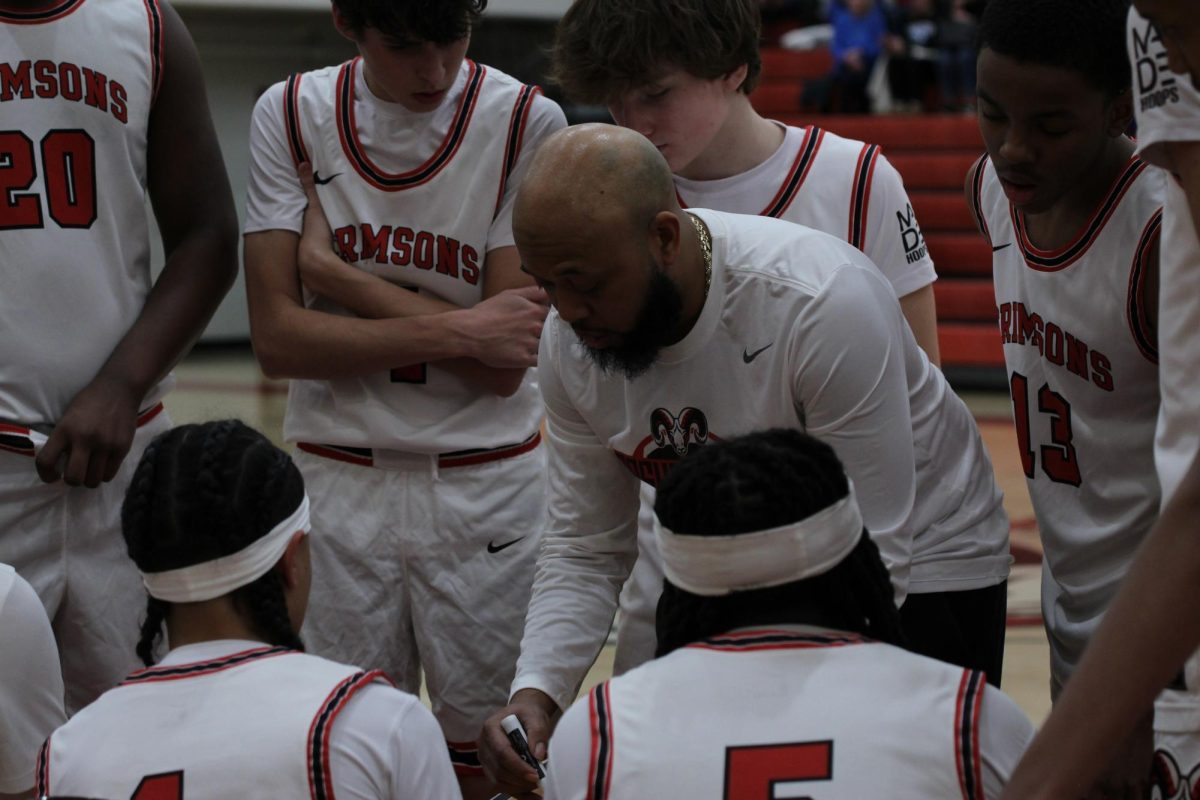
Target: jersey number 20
<point>752,772</point>
<point>68,158</point>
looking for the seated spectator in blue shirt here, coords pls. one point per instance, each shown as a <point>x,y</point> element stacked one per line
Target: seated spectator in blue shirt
<point>858,30</point>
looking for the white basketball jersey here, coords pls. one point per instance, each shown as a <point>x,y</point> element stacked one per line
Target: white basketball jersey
<point>425,229</point>
<point>255,724</point>
<point>74,247</point>
<point>1082,361</point>
<point>839,186</point>
<point>761,713</point>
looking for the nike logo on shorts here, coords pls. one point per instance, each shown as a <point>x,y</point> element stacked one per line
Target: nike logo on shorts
<point>495,548</point>
<point>748,357</point>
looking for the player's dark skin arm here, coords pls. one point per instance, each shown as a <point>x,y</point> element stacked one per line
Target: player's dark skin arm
<point>368,295</point>
<point>194,209</point>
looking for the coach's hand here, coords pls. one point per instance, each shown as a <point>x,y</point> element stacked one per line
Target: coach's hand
<point>93,437</point>
<point>506,327</point>
<point>537,713</point>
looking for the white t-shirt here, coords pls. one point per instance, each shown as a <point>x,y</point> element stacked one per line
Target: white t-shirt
<point>798,330</point>
<point>31,685</point>
<point>241,719</point>
<point>843,187</point>
<point>788,712</point>
<point>417,199</point>
<point>1082,361</point>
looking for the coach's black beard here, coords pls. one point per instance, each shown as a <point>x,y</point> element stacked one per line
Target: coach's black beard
<point>656,321</point>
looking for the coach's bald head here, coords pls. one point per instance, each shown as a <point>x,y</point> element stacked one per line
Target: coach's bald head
<point>599,173</point>
<point>598,224</point>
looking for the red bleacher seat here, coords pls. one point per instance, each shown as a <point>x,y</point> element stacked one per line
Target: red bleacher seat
<point>798,66</point>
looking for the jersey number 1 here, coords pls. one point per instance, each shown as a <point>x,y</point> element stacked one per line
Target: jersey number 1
<point>164,786</point>
<point>1059,461</point>
<point>752,772</point>
<point>69,161</point>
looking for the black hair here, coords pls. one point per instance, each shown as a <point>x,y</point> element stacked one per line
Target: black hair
<point>1085,36</point>
<point>757,482</point>
<point>201,492</point>
<point>437,21</point>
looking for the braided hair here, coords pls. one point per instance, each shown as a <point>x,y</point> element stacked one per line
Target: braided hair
<point>753,483</point>
<point>201,492</point>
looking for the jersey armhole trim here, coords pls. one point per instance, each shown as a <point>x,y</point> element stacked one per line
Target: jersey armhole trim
<point>600,766</point>
<point>966,734</point>
<point>320,782</point>
<point>154,19</point>
<point>796,176</point>
<point>515,139</point>
<point>860,195</point>
<point>1144,335</point>
<point>977,171</point>
<point>43,769</point>
<point>291,119</point>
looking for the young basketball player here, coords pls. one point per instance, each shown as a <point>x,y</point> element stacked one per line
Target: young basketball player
<point>31,687</point>
<point>646,360</point>
<point>685,86</point>
<point>1073,219</point>
<point>409,401</point>
<point>1151,629</point>
<point>780,661</point>
<point>217,521</point>
<point>89,340</point>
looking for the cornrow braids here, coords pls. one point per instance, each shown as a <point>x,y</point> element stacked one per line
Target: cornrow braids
<point>201,492</point>
<point>756,482</point>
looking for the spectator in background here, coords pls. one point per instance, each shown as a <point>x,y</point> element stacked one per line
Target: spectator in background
<point>858,30</point>
<point>911,43</point>
<point>957,27</point>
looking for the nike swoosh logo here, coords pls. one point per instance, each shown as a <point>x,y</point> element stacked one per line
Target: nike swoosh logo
<point>1000,247</point>
<point>493,548</point>
<point>317,178</point>
<point>748,357</point>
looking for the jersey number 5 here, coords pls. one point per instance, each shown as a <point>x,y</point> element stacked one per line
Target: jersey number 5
<point>1059,461</point>
<point>69,161</point>
<point>164,786</point>
<point>752,772</point>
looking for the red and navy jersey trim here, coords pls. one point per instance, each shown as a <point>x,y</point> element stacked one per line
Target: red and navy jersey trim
<point>516,134</point>
<point>291,119</point>
<point>15,439</point>
<point>754,640</point>
<point>1144,335</point>
<point>860,196</point>
<point>198,668</point>
<point>43,769</point>
<point>372,174</point>
<point>464,757</point>
<point>966,734</point>
<point>796,176</point>
<point>600,770</point>
<point>1054,260</point>
<point>39,15</point>
<point>154,18</point>
<point>977,171</point>
<point>320,782</point>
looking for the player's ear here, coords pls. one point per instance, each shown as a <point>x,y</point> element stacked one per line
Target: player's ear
<point>1120,114</point>
<point>342,24</point>
<point>293,564</point>
<point>732,81</point>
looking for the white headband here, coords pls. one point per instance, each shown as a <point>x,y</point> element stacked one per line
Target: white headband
<point>712,566</point>
<point>199,582</point>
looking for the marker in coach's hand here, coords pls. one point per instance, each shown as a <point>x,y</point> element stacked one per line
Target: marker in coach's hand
<point>516,736</point>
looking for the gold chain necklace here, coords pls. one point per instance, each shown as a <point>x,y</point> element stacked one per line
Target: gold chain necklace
<point>705,248</point>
